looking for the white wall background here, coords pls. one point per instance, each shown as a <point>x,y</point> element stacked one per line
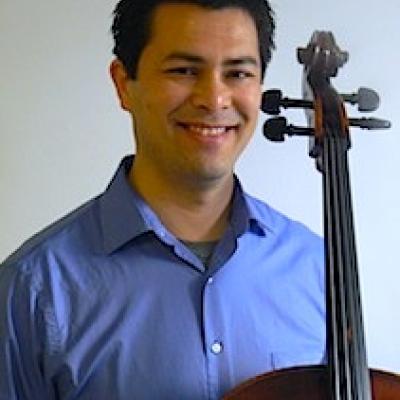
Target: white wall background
<point>62,133</point>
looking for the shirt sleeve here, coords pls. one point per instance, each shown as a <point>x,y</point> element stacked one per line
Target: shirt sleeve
<point>21,337</point>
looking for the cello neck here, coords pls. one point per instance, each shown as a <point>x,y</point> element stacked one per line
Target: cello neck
<point>347,361</point>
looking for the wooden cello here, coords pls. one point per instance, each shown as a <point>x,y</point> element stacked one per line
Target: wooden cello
<point>346,375</point>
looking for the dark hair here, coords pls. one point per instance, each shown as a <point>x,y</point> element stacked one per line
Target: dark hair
<point>131,27</point>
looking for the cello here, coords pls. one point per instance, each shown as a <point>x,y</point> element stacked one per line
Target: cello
<point>346,375</point>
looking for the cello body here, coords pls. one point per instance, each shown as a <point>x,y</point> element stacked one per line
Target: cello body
<point>308,383</point>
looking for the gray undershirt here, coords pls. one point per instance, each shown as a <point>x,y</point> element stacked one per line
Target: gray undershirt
<point>203,250</point>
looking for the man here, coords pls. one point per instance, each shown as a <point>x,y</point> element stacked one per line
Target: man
<point>174,283</point>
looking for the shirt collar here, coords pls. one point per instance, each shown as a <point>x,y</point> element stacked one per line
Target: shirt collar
<point>124,215</point>
<point>249,213</point>
<point>120,218</point>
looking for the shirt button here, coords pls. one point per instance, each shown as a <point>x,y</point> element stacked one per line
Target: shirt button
<point>210,280</point>
<point>216,347</point>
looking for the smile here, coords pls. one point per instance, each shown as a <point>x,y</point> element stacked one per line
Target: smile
<point>208,130</point>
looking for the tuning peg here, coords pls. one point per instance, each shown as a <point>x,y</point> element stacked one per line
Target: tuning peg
<point>370,123</point>
<point>273,99</point>
<point>366,99</point>
<point>276,128</point>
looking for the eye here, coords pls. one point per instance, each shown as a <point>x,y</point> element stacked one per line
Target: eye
<point>240,74</point>
<point>182,71</point>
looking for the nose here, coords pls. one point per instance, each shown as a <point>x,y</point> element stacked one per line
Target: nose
<point>211,93</point>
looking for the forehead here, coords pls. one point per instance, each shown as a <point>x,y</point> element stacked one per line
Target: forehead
<point>224,32</point>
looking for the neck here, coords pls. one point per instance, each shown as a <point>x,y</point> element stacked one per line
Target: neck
<point>192,212</point>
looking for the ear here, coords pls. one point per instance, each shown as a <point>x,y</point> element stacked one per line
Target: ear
<point>121,81</point>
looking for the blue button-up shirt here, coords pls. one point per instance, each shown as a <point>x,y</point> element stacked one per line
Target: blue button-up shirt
<point>107,304</point>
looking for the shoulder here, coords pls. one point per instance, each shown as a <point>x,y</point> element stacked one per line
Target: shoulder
<point>285,230</point>
<point>276,221</point>
<point>67,235</point>
<point>291,247</point>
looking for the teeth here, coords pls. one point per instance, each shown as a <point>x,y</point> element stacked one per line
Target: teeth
<point>214,131</point>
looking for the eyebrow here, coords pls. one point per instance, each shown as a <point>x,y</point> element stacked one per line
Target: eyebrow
<point>183,56</point>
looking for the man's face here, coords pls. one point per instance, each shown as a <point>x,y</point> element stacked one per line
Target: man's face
<point>197,95</point>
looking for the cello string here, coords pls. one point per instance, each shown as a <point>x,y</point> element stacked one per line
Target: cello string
<point>340,356</point>
<point>360,365</point>
<point>339,266</point>
<point>358,376</point>
<point>341,148</point>
<point>331,302</point>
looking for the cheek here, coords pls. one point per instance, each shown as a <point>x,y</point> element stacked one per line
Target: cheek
<point>154,111</point>
<point>167,97</point>
<point>249,102</point>
<point>249,92</point>
<point>178,99</point>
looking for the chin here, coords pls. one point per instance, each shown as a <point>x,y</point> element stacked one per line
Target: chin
<point>212,176</point>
